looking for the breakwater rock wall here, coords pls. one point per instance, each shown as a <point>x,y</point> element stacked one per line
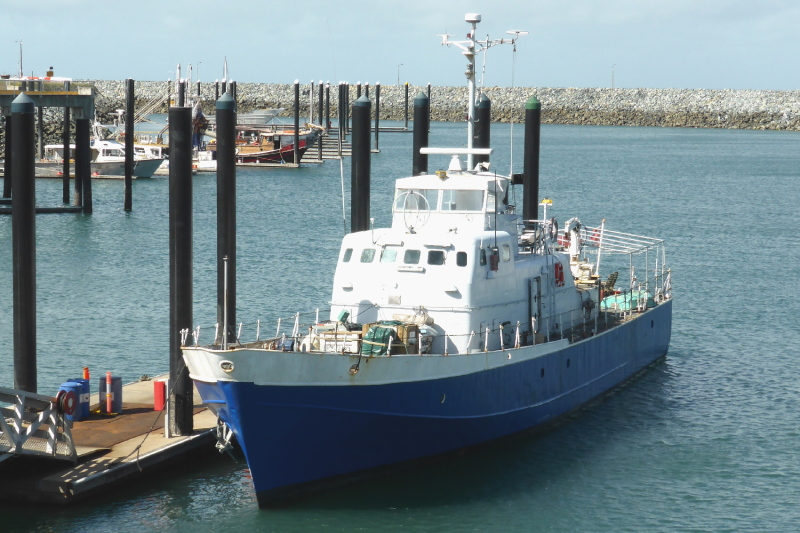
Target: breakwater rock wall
<point>696,108</point>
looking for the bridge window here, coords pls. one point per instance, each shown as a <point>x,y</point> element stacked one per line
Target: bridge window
<point>367,255</point>
<point>459,200</point>
<point>411,257</point>
<point>416,199</point>
<point>461,259</point>
<point>435,257</point>
<point>506,252</point>
<point>483,256</point>
<point>347,255</point>
<point>389,255</point>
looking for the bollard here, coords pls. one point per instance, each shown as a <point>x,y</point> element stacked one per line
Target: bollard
<point>23,231</point>
<point>226,210</point>
<point>129,112</point>
<point>530,165</point>
<point>109,394</point>
<point>421,127</point>
<point>180,265</point>
<point>360,170</point>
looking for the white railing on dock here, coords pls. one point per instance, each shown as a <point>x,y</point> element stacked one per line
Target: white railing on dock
<point>30,424</point>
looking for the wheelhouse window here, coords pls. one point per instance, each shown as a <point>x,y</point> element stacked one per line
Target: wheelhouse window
<point>483,256</point>
<point>506,253</point>
<point>389,255</point>
<point>367,255</point>
<point>461,259</point>
<point>347,255</point>
<point>461,200</point>
<point>416,199</point>
<point>435,257</point>
<point>411,257</point>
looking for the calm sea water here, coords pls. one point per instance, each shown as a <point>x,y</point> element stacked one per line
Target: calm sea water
<point>706,441</point>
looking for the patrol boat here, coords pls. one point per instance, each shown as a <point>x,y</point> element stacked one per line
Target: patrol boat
<point>461,323</point>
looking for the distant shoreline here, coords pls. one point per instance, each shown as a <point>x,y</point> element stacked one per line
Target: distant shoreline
<point>696,108</point>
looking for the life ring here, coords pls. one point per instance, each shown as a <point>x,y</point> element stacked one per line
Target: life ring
<point>559,274</point>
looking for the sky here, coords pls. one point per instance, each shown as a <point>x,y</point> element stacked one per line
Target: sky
<point>694,44</point>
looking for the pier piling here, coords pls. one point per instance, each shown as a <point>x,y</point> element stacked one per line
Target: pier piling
<point>483,128</point>
<point>129,112</point>
<point>9,162</point>
<point>226,211</point>
<point>23,230</point>
<point>360,170</point>
<point>67,157</point>
<point>422,115</point>
<point>180,266</point>
<point>405,107</point>
<point>530,168</point>
<point>83,165</point>
<point>377,115</point>
<point>296,153</point>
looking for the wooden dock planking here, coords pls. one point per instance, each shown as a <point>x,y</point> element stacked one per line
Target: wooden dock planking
<point>111,449</point>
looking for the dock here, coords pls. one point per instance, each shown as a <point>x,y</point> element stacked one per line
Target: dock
<point>110,449</point>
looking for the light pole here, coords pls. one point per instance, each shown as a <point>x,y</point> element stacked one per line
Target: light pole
<point>398,74</point>
<point>20,57</point>
<point>198,70</point>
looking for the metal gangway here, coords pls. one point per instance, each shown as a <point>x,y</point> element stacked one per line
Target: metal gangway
<point>33,424</point>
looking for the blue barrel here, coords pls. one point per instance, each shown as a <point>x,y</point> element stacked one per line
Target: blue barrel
<point>77,389</point>
<point>116,394</point>
<point>82,413</point>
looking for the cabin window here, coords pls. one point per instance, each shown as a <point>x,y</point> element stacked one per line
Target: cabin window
<point>367,255</point>
<point>456,200</point>
<point>416,199</point>
<point>411,257</point>
<point>483,257</point>
<point>435,257</point>
<point>389,255</point>
<point>347,255</point>
<point>506,252</point>
<point>461,259</point>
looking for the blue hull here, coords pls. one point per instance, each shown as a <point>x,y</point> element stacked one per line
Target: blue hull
<point>296,436</point>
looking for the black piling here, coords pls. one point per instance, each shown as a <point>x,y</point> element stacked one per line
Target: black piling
<point>296,151</point>
<point>377,115</point>
<point>180,266</point>
<point>226,215</point>
<point>327,124</point>
<point>129,112</point>
<point>319,114</point>
<point>181,94</point>
<point>530,165</point>
<point>23,230</point>
<point>9,151</point>
<point>86,174</point>
<point>65,164</point>
<point>198,89</point>
<point>360,171</point>
<point>483,128</point>
<point>232,91</point>
<point>40,127</point>
<point>429,106</point>
<point>422,116</point>
<point>341,113</point>
<point>216,90</point>
<point>405,108</point>
<point>358,90</point>
<point>83,169</point>
<point>346,109</point>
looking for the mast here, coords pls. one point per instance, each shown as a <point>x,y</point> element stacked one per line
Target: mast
<point>468,48</point>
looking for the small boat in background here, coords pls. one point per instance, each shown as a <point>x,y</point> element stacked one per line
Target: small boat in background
<point>107,160</point>
<point>270,144</point>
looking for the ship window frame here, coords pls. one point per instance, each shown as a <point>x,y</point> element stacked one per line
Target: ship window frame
<point>367,255</point>
<point>409,259</point>
<point>436,257</point>
<point>506,252</point>
<point>348,254</point>
<point>461,259</point>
